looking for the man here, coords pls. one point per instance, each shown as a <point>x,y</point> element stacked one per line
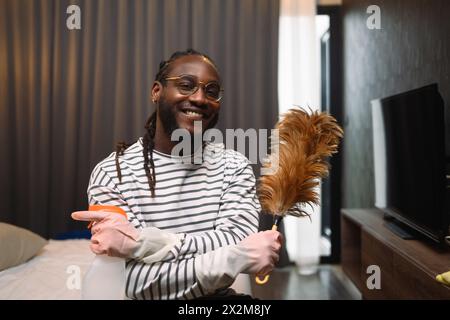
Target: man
<point>192,226</point>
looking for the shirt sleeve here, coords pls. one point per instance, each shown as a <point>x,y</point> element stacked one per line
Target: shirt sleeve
<point>163,280</point>
<point>103,191</point>
<point>188,278</point>
<point>238,215</point>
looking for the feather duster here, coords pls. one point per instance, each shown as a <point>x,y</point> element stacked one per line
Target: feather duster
<point>306,141</point>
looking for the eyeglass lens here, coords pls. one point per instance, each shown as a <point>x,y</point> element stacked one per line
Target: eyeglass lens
<point>188,85</point>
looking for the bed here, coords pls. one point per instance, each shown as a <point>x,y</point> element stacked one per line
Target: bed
<point>54,273</point>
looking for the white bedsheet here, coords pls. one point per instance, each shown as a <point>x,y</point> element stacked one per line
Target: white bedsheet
<point>47,275</point>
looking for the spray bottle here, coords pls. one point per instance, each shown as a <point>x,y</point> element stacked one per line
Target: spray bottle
<point>105,279</point>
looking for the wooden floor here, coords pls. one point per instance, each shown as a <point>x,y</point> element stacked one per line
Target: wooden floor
<point>329,283</point>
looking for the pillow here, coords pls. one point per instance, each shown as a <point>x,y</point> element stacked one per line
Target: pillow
<point>17,245</point>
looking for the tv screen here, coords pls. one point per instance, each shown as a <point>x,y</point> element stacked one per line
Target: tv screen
<point>409,159</point>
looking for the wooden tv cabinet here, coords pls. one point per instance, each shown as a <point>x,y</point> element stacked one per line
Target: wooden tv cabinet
<point>407,267</point>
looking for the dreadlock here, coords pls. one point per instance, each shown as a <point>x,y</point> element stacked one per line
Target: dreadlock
<point>149,143</point>
<point>150,125</point>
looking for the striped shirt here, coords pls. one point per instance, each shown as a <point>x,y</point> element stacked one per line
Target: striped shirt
<point>212,204</point>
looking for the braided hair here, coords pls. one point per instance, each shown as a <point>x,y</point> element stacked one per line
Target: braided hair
<point>150,125</point>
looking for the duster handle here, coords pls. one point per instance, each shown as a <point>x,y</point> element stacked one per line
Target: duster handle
<point>275,225</point>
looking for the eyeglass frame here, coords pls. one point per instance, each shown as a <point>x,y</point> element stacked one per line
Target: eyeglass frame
<point>198,86</point>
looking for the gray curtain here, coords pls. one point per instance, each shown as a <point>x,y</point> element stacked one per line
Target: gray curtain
<point>67,96</point>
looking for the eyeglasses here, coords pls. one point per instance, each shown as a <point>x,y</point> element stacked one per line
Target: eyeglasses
<point>188,85</point>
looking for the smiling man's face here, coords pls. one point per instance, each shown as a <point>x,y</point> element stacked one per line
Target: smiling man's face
<point>176,109</point>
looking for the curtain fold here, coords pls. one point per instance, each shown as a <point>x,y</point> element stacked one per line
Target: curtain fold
<point>245,46</point>
<point>299,85</point>
<point>67,96</point>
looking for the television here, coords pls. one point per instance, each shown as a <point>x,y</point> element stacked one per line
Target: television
<point>411,183</point>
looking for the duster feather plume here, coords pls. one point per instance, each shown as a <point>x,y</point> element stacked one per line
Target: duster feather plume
<point>306,141</point>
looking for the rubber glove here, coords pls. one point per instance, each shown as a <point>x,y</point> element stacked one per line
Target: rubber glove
<point>261,251</point>
<point>256,254</point>
<point>114,236</point>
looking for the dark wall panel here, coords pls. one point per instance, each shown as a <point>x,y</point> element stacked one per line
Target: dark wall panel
<point>412,49</point>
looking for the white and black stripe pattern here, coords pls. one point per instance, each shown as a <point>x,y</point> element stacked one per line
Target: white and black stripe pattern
<point>212,205</point>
